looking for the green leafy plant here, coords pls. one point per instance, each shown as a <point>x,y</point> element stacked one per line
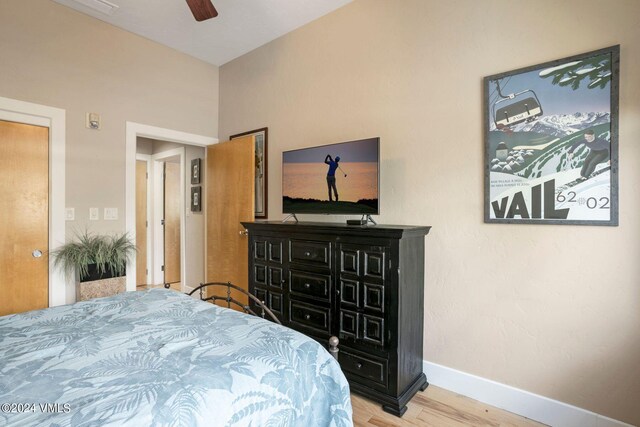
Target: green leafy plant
<point>108,253</point>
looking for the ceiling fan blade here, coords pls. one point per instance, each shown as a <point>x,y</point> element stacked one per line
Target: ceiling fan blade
<point>202,9</point>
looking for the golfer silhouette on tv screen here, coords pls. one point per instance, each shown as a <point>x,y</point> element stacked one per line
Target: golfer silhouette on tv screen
<point>331,175</point>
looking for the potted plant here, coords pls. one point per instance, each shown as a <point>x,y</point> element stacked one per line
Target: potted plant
<point>98,262</point>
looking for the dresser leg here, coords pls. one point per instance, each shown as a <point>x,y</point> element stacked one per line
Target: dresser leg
<point>395,410</point>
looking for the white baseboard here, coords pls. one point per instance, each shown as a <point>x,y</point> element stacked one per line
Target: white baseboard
<point>524,403</point>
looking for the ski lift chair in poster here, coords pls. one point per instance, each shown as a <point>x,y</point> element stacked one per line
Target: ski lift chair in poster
<point>517,108</point>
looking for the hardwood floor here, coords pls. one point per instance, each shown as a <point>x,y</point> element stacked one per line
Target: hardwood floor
<point>175,286</point>
<point>436,407</point>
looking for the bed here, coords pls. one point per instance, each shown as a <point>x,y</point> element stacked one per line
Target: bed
<point>163,358</point>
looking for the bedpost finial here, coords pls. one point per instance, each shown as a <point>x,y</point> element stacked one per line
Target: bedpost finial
<point>333,346</point>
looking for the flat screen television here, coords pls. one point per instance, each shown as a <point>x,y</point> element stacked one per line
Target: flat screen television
<point>337,179</point>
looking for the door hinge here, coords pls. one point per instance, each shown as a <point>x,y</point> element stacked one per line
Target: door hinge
<point>162,268</point>
<point>146,224</point>
<point>162,222</point>
<point>147,175</point>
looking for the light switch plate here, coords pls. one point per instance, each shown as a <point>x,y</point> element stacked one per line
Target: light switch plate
<point>110,214</point>
<point>70,214</point>
<point>94,214</point>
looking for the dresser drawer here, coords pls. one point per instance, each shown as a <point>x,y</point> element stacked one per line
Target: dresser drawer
<point>312,285</point>
<point>309,317</point>
<point>264,275</point>
<point>274,301</point>
<point>366,367</point>
<point>310,252</point>
<point>267,249</point>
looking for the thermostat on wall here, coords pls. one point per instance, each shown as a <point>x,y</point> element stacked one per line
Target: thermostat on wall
<point>93,121</point>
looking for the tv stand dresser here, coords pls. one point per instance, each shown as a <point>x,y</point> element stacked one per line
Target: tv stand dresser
<point>363,284</point>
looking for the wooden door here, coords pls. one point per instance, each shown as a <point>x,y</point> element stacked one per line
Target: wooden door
<point>230,200</point>
<point>142,178</point>
<point>172,223</point>
<point>24,217</point>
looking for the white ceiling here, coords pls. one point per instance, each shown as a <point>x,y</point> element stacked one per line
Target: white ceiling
<point>241,26</point>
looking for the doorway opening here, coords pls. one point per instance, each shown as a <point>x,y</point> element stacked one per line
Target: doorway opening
<point>169,237</point>
<point>194,250</point>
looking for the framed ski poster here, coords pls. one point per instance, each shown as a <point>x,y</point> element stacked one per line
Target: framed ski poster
<point>551,142</point>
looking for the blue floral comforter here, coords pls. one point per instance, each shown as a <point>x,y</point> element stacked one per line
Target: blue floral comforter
<point>162,358</point>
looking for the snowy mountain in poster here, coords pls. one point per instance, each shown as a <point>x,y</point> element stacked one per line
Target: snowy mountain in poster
<point>561,124</point>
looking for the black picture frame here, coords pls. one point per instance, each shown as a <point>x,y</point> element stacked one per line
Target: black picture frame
<point>545,132</point>
<point>196,199</point>
<point>261,176</point>
<point>196,171</point>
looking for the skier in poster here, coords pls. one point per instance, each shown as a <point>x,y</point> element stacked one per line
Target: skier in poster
<point>598,153</point>
<point>331,175</point>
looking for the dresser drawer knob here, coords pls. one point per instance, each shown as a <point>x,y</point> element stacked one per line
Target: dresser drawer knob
<point>358,365</point>
<point>307,254</point>
<point>307,316</point>
<point>307,285</point>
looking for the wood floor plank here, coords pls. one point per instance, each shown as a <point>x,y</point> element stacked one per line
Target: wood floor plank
<point>463,403</point>
<point>438,408</point>
<point>378,422</point>
<point>433,408</point>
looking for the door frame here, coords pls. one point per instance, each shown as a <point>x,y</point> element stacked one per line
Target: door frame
<point>158,161</point>
<point>147,159</point>
<point>133,131</point>
<point>61,291</point>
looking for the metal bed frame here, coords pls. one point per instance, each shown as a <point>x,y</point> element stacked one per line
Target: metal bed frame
<point>264,310</point>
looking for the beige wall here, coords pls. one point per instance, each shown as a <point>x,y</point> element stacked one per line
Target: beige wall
<point>55,56</point>
<point>554,310</point>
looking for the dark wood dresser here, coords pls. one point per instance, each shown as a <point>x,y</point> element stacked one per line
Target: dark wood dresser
<point>363,284</point>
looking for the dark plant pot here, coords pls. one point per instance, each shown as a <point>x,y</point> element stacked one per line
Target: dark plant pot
<point>94,274</point>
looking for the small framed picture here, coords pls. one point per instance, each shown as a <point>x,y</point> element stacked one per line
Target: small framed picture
<point>195,171</point>
<point>196,199</point>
